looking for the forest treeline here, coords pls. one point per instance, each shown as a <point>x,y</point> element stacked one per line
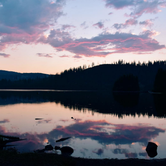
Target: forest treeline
<point>101,77</point>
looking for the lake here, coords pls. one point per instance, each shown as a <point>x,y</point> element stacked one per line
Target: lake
<point>100,124</point>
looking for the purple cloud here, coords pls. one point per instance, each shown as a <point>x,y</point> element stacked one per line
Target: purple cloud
<point>148,6</point>
<point>146,23</point>
<point>77,56</point>
<point>104,44</point>
<point>138,6</point>
<point>29,16</point>
<point>127,23</point>
<point>99,25</point>
<point>4,55</point>
<point>66,26</point>
<point>44,55</point>
<point>83,25</point>
<point>25,21</point>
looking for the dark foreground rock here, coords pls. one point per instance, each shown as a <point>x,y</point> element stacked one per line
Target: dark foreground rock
<point>33,159</point>
<point>151,149</point>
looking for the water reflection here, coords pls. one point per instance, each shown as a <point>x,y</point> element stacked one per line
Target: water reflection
<point>126,99</point>
<point>102,102</point>
<point>5,140</point>
<point>41,119</point>
<point>103,132</point>
<point>160,106</point>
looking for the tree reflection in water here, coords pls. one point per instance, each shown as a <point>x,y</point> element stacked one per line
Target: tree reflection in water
<point>94,101</point>
<point>160,104</point>
<point>126,99</point>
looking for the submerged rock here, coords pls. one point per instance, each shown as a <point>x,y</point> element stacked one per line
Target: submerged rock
<point>48,147</point>
<point>65,150</point>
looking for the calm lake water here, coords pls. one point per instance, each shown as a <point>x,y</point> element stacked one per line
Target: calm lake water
<point>101,125</point>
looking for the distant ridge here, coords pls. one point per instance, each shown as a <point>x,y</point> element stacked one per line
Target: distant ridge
<point>11,75</point>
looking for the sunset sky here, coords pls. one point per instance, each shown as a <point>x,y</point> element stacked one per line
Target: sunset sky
<point>50,36</point>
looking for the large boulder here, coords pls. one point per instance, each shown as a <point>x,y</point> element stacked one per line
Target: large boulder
<point>66,150</point>
<point>151,149</point>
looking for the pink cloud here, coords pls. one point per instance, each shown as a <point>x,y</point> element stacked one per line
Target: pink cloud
<point>140,53</point>
<point>77,56</point>
<point>104,44</point>
<point>146,23</point>
<point>131,22</point>
<point>148,7</point>
<point>64,56</point>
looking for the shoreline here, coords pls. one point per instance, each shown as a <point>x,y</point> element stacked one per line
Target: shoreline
<point>46,159</point>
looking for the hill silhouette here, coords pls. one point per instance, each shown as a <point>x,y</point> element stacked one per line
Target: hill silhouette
<point>101,77</point>
<point>13,76</point>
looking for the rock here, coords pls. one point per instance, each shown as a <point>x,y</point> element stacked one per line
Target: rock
<point>151,149</point>
<point>62,139</point>
<point>48,147</point>
<point>57,148</point>
<point>66,150</point>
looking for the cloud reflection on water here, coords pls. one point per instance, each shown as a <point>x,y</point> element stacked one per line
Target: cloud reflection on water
<point>108,133</point>
<point>103,132</point>
<point>44,121</point>
<point>4,121</point>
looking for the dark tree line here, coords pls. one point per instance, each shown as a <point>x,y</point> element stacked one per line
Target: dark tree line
<point>126,90</point>
<point>101,77</point>
<point>160,81</point>
<point>126,83</point>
